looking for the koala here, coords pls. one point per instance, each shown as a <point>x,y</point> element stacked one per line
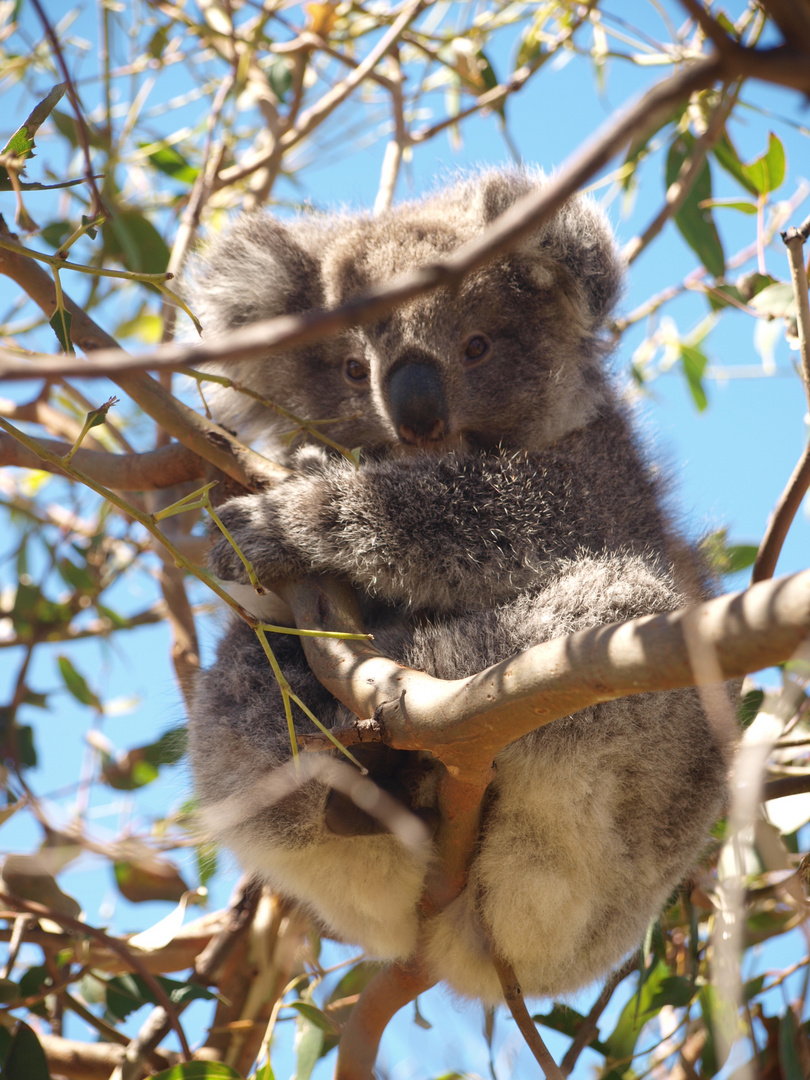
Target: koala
<point>502,500</point>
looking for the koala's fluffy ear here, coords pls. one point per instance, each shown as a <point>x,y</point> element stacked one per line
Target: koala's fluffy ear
<point>578,240</point>
<point>256,269</point>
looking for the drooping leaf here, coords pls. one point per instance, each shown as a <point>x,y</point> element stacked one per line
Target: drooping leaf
<point>25,1059</point>
<point>694,364</point>
<point>131,239</point>
<point>720,1017</point>
<point>621,1043</point>
<point>694,219</point>
<point>168,160</point>
<point>60,322</point>
<point>77,684</point>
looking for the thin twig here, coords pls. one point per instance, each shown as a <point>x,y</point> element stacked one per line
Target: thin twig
<point>513,996</point>
<point>589,1026</point>
<point>132,961</point>
<point>799,482</point>
<point>97,205</point>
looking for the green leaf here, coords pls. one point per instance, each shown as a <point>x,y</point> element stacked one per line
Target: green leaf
<point>568,1021</point>
<point>206,862</point>
<point>77,684</point>
<point>694,364</point>
<point>25,1059</point>
<point>621,1043</point>
<point>60,322</point>
<point>168,160</point>
<point>694,219</point>
<point>133,240</point>
<point>198,1070</point>
<point>21,142</point>
<point>720,1017</point>
<point>309,1047</point>
<point>767,172</point>
<point>740,557</point>
<point>674,990</point>
<point>789,1047</point>
<point>316,1016</point>
<point>355,980</point>
<point>727,158</point>
<point>731,204</point>
<point>56,233</point>
<point>78,577</point>
<point>280,76</point>
<point>125,994</point>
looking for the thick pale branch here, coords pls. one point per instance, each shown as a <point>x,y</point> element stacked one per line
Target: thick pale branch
<point>90,1061</point>
<point>385,995</point>
<point>465,722</point>
<point>162,468</point>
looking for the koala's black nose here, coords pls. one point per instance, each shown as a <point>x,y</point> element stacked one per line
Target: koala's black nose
<point>417,402</point>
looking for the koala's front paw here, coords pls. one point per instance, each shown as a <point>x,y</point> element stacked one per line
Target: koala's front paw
<point>253,523</point>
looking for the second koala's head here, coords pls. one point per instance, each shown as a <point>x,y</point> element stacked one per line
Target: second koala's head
<point>512,357</point>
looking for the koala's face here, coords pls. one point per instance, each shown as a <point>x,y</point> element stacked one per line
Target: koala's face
<point>511,357</point>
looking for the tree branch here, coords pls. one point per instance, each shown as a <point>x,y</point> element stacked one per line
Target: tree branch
<point>465,722</point>
<point>209,441</point>
<point>791,498</point>
<point>264,338</point>
<point>153,470</point>
<point>384,996</point>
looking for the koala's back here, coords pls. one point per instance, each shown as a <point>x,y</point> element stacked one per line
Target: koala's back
<point>502,502</point>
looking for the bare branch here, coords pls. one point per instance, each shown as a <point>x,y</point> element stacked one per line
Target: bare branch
<point>385,995</point>
<point>516,1003</point>
<point>799,482</point>
<point>465,722</point>
<point>155,469</point>
<point>208,440</point>
<point>264,338</point>
<point>687,175</point>
<point>128,955</point>
<point>90,1061</point>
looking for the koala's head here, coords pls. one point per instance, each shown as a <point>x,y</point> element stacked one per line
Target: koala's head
<point>259,268</point>
<point>514,356</point>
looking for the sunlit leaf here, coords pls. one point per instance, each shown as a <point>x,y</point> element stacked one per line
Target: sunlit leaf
<point>767,172</point>
<point>694,364</point>
<point>198,1070</point>
<point>727,157</point>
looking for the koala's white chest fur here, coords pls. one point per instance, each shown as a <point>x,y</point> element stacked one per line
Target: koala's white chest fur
<point>501,501</point>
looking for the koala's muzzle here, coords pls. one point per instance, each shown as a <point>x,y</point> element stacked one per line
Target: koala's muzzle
<point>417,403</point>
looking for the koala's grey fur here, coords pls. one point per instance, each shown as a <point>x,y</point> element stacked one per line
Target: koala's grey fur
<point>501,502</point>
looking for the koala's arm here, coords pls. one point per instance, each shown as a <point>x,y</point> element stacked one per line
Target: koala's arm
<point>444,532</point>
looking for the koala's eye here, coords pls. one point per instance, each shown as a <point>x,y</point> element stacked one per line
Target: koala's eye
<point>476,349</point>
<point>355,370</point>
